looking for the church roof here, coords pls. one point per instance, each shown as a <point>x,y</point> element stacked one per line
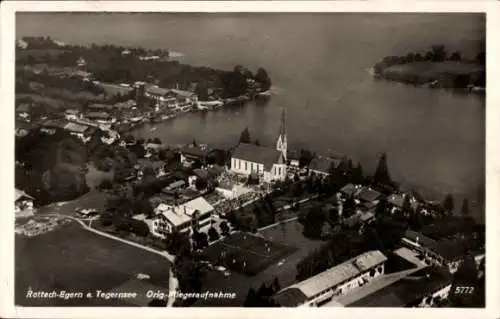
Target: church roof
<point>257,154</point>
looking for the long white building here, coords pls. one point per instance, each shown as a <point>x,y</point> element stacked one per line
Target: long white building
<point>333,282</point>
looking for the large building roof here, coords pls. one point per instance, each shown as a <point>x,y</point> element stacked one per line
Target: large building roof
<point>332,277</point>
<point>184,213</point>
<point>77,128</point>
<point>257,154</point>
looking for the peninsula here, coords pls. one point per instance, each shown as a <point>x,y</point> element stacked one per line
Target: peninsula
<point>435,69</point>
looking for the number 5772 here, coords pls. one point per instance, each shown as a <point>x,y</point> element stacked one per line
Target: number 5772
<point>464,290</point>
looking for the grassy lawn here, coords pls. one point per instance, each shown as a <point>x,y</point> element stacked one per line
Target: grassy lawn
<point>92,199</point>
<point>75,260</point>
<point>289,234</point>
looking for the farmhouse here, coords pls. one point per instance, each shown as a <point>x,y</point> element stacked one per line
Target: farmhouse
<point>333,282</point>
<point>171,218</point>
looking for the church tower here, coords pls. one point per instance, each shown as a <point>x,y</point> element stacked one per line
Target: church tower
<point>281,143</point>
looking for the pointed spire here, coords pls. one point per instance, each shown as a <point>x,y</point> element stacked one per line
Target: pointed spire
<point>283,123</point>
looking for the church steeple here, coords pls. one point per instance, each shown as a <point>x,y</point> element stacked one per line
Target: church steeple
<point>281,143</point>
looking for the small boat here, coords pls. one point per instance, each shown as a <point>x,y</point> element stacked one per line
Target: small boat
<point>153,128</point>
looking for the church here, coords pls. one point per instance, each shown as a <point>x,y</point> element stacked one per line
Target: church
<point>268,163</point>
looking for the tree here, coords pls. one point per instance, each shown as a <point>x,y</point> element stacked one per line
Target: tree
<point>382,207</point>
<point>224,228</point>
<point>200,184</point>
<point>245,136</point>
<point>256,142</point>
<point>455,56</point>
<point>263,79</point>
<point>382,176</point>
<point>448,204</point>
<point>213,234</point>
<point>439,53</point>
<point>202,91</point>
<point>194,143</point>
<point>481,58</point>
<point>251,299</point>
<point>177,242</point>
<point>429,56</point>
<point>465,208</point>
<point>407,207</point>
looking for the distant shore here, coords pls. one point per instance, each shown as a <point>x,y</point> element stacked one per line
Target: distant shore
<point>435,69</point>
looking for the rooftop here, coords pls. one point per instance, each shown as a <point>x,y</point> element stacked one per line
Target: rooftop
<point>334,276</point>
<point>155,90</point>
<point>398,200</point>
<point>367,194</point>
<point>178,215</point>
<point>257,154</point>
<point>419,238</point>
<point>350,189</point>
<point>194,151</point>
<point>77,128</point>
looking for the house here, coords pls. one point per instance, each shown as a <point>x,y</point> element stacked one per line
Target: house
<point>421,286</point>
<point>83,132</point>
<point>159,95</point>
<point>321,165</point>
<point>444,252</point>
<point>101,117</point>
<point>81,62</point>
<point>125,105</point>
<point>397,201</point>
<point>191,154</point>
<point>175,186</point>
<point>293,157</point>
<point>367,197</point>
<point>333,282</point>
<point>350,190</point>
<point>182,97</point>
<point>23,111</point>
<point>180,217</point>
<point>23,204</point>
<point>72,114</point>
<point>21,44</point>
<point>51,126</point>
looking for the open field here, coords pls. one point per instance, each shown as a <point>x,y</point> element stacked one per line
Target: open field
<point>93,199</point>
<point>288,234</point>
<point>247,253</point>
<point>74,260</point>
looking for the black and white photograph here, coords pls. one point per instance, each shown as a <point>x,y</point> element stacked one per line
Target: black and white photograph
<point>249,159</point>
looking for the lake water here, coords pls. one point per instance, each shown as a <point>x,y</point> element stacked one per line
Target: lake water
<point>319,66</point>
